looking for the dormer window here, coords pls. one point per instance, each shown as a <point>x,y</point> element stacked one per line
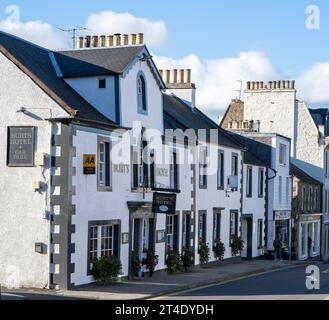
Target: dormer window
<point>141,94</point>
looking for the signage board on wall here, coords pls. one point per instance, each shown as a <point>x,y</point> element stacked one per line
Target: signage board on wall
<point>89,164</point>
<point>164,203</point>
<point>21,144</point>
<point>282,215</point>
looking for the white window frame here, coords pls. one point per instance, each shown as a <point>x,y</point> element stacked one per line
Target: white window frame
<point>282,154</point>
<point>170,220</point>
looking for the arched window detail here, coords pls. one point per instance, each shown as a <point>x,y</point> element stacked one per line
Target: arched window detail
<point>141,94</point>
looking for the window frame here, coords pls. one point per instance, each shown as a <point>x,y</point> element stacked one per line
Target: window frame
<point>102,83</point>
<point>249,182</point>
<point>221,170</point>
<point>107,187</point>
<point>142,103</point>
<point>235,165</point>
<point>116,239</point>
<point>235,226</point>
<point>203,167</point>
<point>261,180</point>
<point>282,155</point>
<point>260,229</point>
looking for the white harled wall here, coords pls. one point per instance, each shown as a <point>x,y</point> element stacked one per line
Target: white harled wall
<point>21,209</point>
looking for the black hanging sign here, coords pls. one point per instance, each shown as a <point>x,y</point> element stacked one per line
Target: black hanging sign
<point>21,142</point>
<point>164,203</point>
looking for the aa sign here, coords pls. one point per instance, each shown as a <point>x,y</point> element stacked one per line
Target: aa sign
<point>89,164</point>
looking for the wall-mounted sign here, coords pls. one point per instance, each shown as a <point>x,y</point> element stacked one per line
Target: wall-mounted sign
<point>21,143</point>
<point>89,164</point>
<point>161,236</point>
<point>162,172</point>
<point>164,203</point>
<point>121,168</point>
<point>125,238</point>
<point>282,215</point>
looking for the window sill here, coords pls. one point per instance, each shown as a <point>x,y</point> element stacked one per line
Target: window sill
<point>220,188</point>
<point>141,190</point>
<point>203,187</point>
<point>142,112</point>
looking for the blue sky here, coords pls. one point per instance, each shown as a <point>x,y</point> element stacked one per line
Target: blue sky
<point>210,29</point>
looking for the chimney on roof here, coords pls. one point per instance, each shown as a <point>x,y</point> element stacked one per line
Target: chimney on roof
<point>133,38</point>
<point>109,41</point>
<point>178,82</point>
<point>94,41</point>
<point>102,41</point>
<point>140,38</point>
<point>80,43</point>
<point>272,85</point>
<point>87,41</point>
<point>125,39</point>
<point>117,40</point>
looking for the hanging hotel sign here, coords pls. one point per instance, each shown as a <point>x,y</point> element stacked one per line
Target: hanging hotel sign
<point>21,142</point>
<point>164,203</point>
<point>89,164</point>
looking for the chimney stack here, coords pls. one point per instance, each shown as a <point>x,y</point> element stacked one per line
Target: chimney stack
<point>181,75</point>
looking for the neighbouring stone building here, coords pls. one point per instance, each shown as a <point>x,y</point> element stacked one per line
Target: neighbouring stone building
<point>274,107</point>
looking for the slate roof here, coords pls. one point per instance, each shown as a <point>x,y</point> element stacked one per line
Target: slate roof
<point>257,153</point>
<point>302,175</point>
<point>37,64</point>
<point>178,115</point>
<point>100,61</point>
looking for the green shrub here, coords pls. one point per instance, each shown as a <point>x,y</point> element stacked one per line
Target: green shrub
<point>203,252</point>
<point>106,268</point>
<point>187,259</point>
<point>219,250</point>
<point>173,261</point>
<point>135,264</point>
<point>237,245</point>
<point>152,261</point>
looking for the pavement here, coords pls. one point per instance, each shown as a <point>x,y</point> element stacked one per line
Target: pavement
<point>163,284</point>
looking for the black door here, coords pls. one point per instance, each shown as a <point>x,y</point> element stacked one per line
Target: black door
<point>249,238</point>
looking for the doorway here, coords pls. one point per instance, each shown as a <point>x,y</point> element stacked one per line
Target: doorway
<point>247,237</point>
<point>143,236</point>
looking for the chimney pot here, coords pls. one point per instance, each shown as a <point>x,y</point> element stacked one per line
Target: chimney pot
<point>87,41</point>
<point>279,84</point>
<point>117,39</point>
<point>167,76</point>
<point>270,85</point>
<point>125,39</point>
<point>248,85</point>
<point>293,84</point>
<point>140,38</point>
<point>109,41</point>
<point>94,41</point>
<point>274,84</point>
<point>181,75</point>
<point>262,85</point>
<point>133,38</point>
<point>102,41</point>
<point>288,84</point>
<point>175,72</point>
<point>188,78</point>
<point>80,43</point>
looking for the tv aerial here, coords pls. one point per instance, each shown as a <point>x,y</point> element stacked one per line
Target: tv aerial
<point>73,31</point>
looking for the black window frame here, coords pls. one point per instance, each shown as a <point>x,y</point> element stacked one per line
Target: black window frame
<point>102,83</point>
<point>249,182</point>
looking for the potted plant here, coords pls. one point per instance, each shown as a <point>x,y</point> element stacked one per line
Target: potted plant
<point>135,264</point>
<point>219,250</point>
<point>203,252</point>
<point>106,269</point>
<point>173,261</point>
<point>152,261</point>
<point>237,245</point>
<point>187,258</point>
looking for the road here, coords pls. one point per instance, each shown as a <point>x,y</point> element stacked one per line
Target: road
<point>289,284</point>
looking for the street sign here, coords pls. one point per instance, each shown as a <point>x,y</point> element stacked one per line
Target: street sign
<point>164,203</point>
<point>89,164</point>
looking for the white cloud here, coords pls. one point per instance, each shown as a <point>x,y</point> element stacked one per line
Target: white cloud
<point>313,84</point>
<point>38,32</point>
<point>216,79</point>
<point>109,22</point>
